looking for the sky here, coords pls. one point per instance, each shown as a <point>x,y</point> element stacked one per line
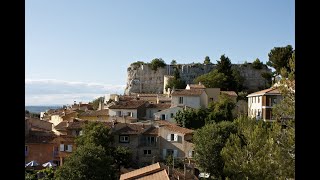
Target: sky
<point>78,50</point>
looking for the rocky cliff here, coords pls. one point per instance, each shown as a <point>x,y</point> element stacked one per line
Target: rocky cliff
<point>142,79</point>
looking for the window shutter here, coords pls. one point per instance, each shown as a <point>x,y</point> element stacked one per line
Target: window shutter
<point>175,137</point>
<point>175,153</point>
<point>164,153</point>
<point>69,148</point>
<point>61,147</point>
<point>169,137</point>
<point>190,153</point>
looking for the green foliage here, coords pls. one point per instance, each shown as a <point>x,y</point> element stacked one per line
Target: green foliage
<point>122,156</point>
<point>87,162</point>
<point>137,64</point>
<point>48,173</point>
<point>259,150</point>
<point>222,109</point>
<point>268,77</point>
<point>207,60</point>
<point>279,58</point>
<point>173,62</point>
<point>176,82</point>
<point>213,79</point>
<point>96,133</point>
<point>224,66</point>
<point>95,102</point>
<point>237,81</point>
<point>30,175</point>
<point>242,95</point>
<point>208,143</point>
<point>257,64</point>
<point>157,63</point>
<point>191,118</point>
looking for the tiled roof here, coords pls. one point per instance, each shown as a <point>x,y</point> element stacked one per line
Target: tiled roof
<point>174,127</point>
<point>197,86</point>
<point>160,106</point>
<point>61,126</point>
<point>103,112</point>
<point>125,128</point>
<point>152,131</point>
<point>271,90</point>
<point>230,93</point>
<point>39,138</point>
<point>133,104</point>
<point>145,171</point>
<point>188,92</point>
<point>160,175</point>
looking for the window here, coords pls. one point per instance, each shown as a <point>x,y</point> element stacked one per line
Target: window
<point>180,100</point>
<point>150,140</point>
<point>172,137</point>
<point>170,152</point>
<point>147,152</point>
<point>254,99</point>
<point>119,113</point>
<point>210,99</point>
<point>258,99</point>
<point>26,150</point>
<point>191,153</point>
<point>65,147</point>
<point>171,115</point>
<point>163,117</point>
<point>124,139</point>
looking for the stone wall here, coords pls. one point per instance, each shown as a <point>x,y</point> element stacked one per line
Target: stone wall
<point>142,79</point>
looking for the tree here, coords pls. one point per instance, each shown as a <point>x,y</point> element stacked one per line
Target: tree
<point>157,63</point>
<point>207,60</point>
<point>237,81</point>
<point>279,58</point>
<point>208,143</point>
<point>224,66</point>
<point>221,110</point>
<point>191,118</point>
<point>257,64</point>
<point>95,102</point>
<point>176,82</point>
<point>257,151</point>
<point>268,76</point>
<point>87,162</point>
<point>173,62</point>
<point>95,152</point>
<point>213,79</point>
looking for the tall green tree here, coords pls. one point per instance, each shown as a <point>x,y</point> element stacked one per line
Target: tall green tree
<point>157,63</point>
<point>87,162</point>
<point>257,64</point>
<point>206,60</point>
<point>173,62</point>
<point>191,118</point>
<point>258,151</point>
<point>208,143</point>
<point>176,82</point>
<point>279,58</point>
<point>221,110</point>
<point>224,66</point>
<point>213,79</point>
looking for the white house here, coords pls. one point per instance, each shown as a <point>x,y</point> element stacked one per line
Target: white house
<point>195,98</point>
<point>167,114</point>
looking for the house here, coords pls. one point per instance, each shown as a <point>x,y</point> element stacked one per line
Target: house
<point>151,172</point>
<point>64,115</point>
<point>233,95</point>
<point>133,108</point>
<point>36,123</point>
<point>260,103</point>
<point>95,115</point>
<point>195,98</point>
<point>140,138</point>
<point>175,140</point>
<point>195,86</point>
<point>168,114</point>
<point>212,94</point>
<point>151,109</point>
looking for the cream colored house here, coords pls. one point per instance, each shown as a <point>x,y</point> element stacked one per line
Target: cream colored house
<point>175,140</point>
<point>168,114</point>
<point>134,108</point>
<point>195,98</point>
<point>260,103</point>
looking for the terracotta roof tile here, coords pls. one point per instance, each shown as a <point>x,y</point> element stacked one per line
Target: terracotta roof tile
<point>188,92</point>
<point>152,131</point>
<point>124,128</point>
<point>160,175</point>
<point>61,126</point>
<point>133,104</point>
<point>174,127</point>
<point>103,112</point>
<point>39,138</point>
<point>272,90</point>
<point>140,172</point>
<point>230,93</point>
<point>160,106</point>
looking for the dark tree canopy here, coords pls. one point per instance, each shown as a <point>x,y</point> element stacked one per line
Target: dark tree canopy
<point>279,58</point>
<point>95,103</point>
<point>224,66</point>
<point>257,64</point>
<point>191,118</point>
<point>157,63</point>
<point>213,79</point>
<point>176,82</point>
<point>173,62</point>
<point>206,60</point>
<point>222,109</point>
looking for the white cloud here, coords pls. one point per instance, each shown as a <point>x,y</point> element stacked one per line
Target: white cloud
<point>58,92</point>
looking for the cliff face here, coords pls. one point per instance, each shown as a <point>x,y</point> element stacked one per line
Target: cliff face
<point>142,79</point>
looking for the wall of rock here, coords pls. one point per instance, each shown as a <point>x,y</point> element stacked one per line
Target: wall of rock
<point>142,79</point>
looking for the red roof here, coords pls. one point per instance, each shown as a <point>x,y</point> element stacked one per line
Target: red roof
<point>269,91</point>
<point>133,104</point>
<point>188,92</point>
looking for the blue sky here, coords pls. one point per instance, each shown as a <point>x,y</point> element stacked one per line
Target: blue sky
<point>74,45</point>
